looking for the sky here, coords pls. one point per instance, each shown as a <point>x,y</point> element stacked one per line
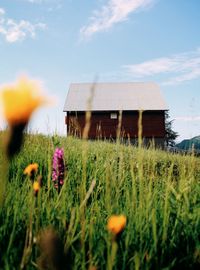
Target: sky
<point>63,41</point>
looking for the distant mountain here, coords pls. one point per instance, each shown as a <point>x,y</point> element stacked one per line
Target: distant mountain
<point>193,143</point>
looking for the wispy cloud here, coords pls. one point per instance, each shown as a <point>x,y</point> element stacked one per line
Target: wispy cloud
<point>190,75</point>
<point>14,31</point>
<point>51,5</point>
<point>178,68</point>
<point>36,1</point>
<point>42,1</point>
<point>188,118</point>
<point>113,12</point>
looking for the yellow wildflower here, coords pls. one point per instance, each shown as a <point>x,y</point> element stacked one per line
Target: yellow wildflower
<point>116,224</point>
<point>20,100</point>
<point>31,169</point>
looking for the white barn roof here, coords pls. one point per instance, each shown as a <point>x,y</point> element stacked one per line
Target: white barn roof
<point>115,97</point>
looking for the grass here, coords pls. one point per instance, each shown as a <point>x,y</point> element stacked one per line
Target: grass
<point>158,192</point>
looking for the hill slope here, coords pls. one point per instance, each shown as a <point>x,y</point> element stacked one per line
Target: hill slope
<point>190,144</point>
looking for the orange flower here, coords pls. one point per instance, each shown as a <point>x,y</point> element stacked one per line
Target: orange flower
<point>31,169</point>
<point>36,187</point>
<point>116,223</point>
<point>20,100</point>
<point>92,268</point>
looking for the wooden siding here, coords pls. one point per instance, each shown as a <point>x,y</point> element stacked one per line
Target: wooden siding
<point>153,124</point>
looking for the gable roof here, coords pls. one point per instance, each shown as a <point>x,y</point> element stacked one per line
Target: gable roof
<point>115,97</point>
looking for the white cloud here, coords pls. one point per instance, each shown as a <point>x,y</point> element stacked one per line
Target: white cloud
<point>14,31</point>
<point>2,11</point>
<point>113,12</point>
<point>179,68</point>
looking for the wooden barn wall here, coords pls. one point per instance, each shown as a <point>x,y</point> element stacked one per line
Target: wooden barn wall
<point>153,124</point>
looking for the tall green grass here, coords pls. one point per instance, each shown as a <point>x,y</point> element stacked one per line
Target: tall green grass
<point>158,192</point>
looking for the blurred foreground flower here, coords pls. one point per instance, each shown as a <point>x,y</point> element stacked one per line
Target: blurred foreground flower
<point>92,268</point>
<point>19,101</point>
<point>116,224</point>
<point>31,170</point>
<point>58,168</point>
<point>51,249</point>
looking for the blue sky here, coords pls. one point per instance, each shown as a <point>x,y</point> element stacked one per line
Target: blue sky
<point>64,41</point>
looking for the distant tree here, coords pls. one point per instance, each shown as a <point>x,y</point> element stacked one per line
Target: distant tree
<point>171,135</point>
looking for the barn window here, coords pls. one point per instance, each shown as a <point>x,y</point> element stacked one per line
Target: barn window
<point>113,116</point>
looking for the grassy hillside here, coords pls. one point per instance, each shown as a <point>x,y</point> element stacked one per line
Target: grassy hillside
<point>158,192</point>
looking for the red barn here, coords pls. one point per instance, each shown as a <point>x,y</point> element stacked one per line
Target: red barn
<point>110,103</point>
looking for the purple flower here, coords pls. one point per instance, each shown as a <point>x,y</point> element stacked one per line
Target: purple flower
<point>58,168</point>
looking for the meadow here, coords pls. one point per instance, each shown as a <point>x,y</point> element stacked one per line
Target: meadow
<point>158,193</point>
